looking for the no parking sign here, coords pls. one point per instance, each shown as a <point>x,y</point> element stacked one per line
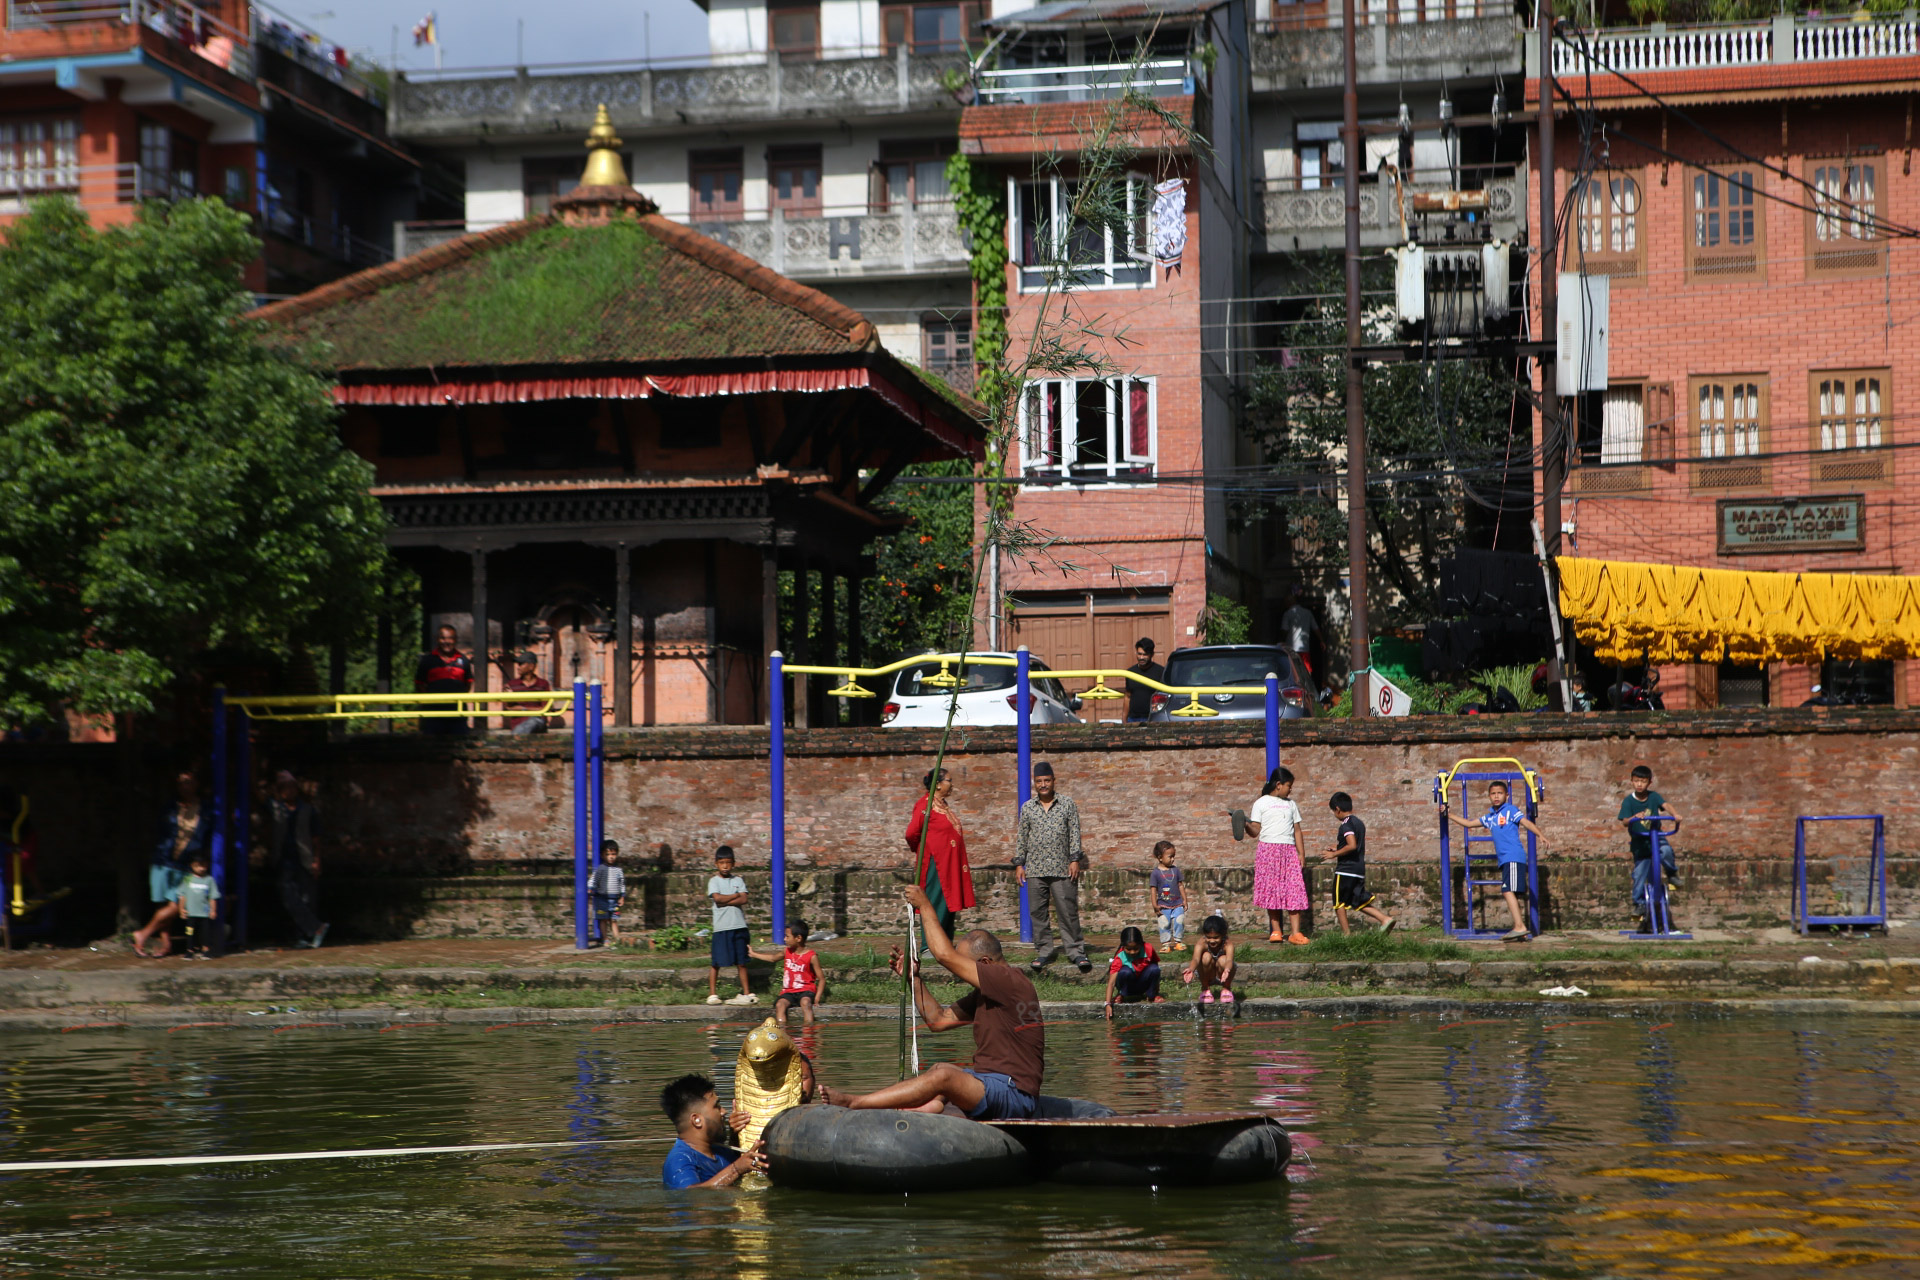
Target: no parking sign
<point>1388,698</point>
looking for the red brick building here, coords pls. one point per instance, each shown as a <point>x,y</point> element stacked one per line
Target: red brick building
<point>1112,458</point>
<point>1748,192</point>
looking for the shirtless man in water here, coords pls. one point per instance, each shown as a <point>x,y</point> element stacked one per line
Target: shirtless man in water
<point>1009,1044</point>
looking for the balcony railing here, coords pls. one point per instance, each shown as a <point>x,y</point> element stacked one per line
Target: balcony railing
<point>1295,17</point>
<point>850,241</point>
<point>1782,39</point>
<point>1094,82</point>
<point>196,30</point>
<point>1311,214</point>
<point>758,86</point>
<point>323,237</point>
<point>97,183</point>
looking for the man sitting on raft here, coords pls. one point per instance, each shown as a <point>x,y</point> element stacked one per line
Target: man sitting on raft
<point>1009,1044</point>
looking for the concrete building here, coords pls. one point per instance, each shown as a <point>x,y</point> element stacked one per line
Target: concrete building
<point>1748,193</point>
<point>113,104</point>
<point>813,139</point>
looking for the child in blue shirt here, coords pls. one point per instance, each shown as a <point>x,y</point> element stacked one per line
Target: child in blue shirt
<point>1505,820</point>
<point>1169,895</point>
<point>700,1158</point>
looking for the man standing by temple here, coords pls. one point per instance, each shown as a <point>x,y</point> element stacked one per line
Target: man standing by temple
<point>1140,696</point>
<point>443,669</point>
<point>1047,855</point>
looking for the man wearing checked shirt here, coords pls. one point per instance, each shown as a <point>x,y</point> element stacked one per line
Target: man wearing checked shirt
<point>1047,855</point>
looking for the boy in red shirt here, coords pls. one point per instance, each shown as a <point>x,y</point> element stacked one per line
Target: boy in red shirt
<point>801,979</point>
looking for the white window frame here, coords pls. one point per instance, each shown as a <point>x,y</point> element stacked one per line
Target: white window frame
<point>1126,266</point>
<point>1041,469</point>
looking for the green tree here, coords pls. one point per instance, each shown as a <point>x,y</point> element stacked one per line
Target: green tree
<point>920,596</point>
<point>169,480</point>
<point>1436,437</point>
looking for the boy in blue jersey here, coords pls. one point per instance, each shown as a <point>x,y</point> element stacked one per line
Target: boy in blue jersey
<point>1505,820</point>
<point>701,1157</point>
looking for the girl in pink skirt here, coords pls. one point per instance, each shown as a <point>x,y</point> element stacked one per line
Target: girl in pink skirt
<point>1278,884</point>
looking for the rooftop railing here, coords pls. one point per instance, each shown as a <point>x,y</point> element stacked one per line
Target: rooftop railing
<point>1782,39</point>
<point>1296,17</point>
<point>1092,82</point>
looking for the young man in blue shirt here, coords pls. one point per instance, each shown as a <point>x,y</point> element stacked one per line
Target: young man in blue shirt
<point>1505,820</point>
<point>701,1158</point>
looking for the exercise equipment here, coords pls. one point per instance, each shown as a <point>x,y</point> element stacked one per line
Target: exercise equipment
<point>778,669</point>
<point>1659,916</point>
<point>1480,868</point>
<point>1870,896</point>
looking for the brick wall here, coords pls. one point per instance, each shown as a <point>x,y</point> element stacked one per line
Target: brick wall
<point>474,837</point>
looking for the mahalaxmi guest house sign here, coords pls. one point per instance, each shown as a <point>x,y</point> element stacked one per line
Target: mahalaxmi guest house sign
<point>1775,525</point>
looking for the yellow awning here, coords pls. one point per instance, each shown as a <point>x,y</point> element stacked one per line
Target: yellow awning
<point>1632,613</point>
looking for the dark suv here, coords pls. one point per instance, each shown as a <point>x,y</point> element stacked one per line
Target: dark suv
<point>1236,664</point>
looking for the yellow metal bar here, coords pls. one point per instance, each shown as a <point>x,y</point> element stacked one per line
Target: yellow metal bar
<point>1533,790</point>
<point>404,706</point>
<point>948,659</point>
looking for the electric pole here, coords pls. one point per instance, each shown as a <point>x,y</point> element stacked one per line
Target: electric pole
<point>1553,450</point>
<point>1358,653</point>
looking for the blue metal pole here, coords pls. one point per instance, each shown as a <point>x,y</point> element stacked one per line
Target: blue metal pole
<point>597,769</point>
<point>218,854</point>
<point>777,788</point>
<point>243,826</point>
<point>1273,723</point>
<point>1023,765</point>
<point>581,869</point>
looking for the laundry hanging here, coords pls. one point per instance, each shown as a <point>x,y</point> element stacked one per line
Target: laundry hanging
<point>1167,231</point>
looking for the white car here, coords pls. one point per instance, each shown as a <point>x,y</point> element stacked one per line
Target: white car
<point>987,698</point>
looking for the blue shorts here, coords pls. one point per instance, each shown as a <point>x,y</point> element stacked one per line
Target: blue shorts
<point>605,908</point>
<point>1003,1099</point>
<point>163,883</point>
<point>1513,877</point>
<point>729,949</point>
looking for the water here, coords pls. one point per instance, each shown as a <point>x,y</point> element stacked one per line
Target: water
<point>1426,1146</point>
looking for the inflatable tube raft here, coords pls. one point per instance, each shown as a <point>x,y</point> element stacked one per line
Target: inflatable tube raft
<point>833,1149</point>
<point>1072,1140</point>
<point>1204,1150</point>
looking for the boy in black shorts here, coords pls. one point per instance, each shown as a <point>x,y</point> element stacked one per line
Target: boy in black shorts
<point>1350,867</point>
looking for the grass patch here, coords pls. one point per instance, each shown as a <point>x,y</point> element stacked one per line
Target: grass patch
<point>1375,945</point>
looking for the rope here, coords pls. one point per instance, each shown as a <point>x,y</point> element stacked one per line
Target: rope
<point>278,1157</point>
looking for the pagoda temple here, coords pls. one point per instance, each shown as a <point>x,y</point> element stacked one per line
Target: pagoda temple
<point>601,436</point>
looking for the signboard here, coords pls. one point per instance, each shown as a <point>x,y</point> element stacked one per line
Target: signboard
<point>1773,526</point>
<point>1388,698</point>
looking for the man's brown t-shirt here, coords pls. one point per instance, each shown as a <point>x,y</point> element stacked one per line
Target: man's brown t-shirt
<point>1007,1035</point>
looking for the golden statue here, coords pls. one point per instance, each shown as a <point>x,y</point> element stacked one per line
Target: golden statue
<point>769,1077</point>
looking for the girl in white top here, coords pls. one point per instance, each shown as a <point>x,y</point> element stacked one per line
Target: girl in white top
<point>1278,883</point>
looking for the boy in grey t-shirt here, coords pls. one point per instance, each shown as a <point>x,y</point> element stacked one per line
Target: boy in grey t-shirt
<point>200,905</point>
<point>728,893</point>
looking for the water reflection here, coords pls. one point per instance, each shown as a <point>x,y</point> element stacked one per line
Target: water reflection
<point>1467,1148</point>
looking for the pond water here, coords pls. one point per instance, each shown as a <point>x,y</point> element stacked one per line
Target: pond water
<point>1426,1145</point>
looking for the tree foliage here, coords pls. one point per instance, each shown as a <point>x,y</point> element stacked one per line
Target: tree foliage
<point>169,481</point>
<point>920,596</point>
<point>1427,423</point>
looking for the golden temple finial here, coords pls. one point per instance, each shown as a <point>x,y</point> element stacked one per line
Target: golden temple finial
<point>603,154</point>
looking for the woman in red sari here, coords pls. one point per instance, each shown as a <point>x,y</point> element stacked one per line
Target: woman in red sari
<point>943,863</point>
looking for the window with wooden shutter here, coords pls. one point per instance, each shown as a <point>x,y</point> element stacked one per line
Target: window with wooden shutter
<point>1729,431</point>
<point>1843,224</point>
<point>1608,236</point>
<point>1850,413</point>
<point>1660,450</point>
<point>1728,232</point>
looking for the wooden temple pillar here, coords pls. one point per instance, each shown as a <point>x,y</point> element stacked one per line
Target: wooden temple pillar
<point>482,651</point>
<point>802,646</point>
<point>622,635</point>
<point>769,617</point>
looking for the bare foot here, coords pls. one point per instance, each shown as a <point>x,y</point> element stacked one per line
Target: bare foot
<point>833,1097</point>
